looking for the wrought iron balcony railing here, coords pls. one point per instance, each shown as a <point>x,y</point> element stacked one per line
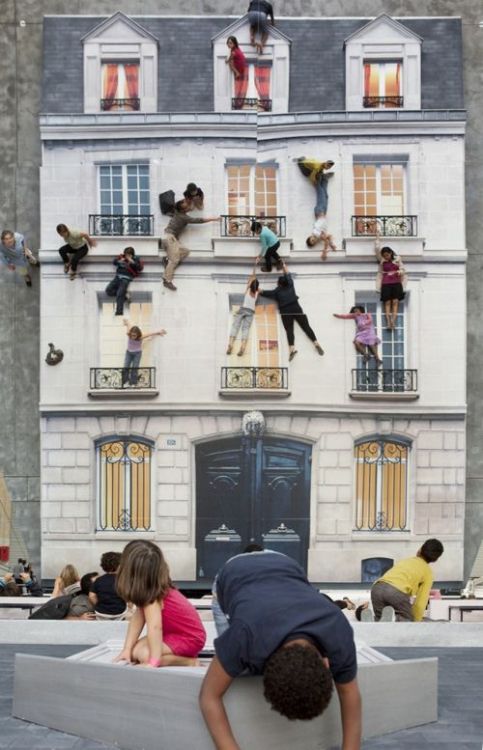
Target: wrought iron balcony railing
<point>124,105</point>
<point>242,102</point>
<point>384,381</point>
<point>382,102</point>
<point>119,225</point>
<point>254,377</point>
<point>233,225</point>
<point>386,226</point>
<point>117,378</point>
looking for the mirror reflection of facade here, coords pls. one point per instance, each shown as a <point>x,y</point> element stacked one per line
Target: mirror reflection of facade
<point>354,461</point>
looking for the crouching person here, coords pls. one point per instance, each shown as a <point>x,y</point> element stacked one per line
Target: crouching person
<point>128,266</point>
<point>300,653</point>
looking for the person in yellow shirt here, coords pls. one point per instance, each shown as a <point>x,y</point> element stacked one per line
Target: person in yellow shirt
<point>408,578</point>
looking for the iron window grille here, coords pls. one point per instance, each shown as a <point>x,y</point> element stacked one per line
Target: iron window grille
<point>124,485</point>
<point>117,378</point>
<point>119,225</point>
<point>381,485</point>
<point>233,225</point>
<point>265,378</point>
<point>385,226</point>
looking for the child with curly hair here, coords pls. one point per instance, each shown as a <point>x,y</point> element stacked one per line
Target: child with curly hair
<point>103,595</point>
<point>175,633</point>
<point>300,651</point>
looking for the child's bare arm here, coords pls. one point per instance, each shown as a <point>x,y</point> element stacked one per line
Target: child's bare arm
<point>161,332</point>
<point>215,685</point>
<point>93,598</point>
<point>135,627</point>
<point>152,613</point>
<point>350,711</point>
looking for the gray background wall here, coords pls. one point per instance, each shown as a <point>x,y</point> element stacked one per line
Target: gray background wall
<point>20,55</point>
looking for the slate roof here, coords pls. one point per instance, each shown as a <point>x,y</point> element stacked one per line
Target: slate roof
<point>317,78</point>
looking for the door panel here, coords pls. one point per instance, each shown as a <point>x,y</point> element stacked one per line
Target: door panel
<point>251,486</point>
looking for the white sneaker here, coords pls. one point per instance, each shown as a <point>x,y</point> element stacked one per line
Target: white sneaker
<point>388,614</point>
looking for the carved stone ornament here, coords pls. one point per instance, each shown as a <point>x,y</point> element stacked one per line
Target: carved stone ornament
<point>253,424</point>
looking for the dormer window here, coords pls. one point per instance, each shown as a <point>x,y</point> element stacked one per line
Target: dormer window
<point>383,66</point>
<point>120,86</point>
<point>383,84</point>
<point>120,67</point>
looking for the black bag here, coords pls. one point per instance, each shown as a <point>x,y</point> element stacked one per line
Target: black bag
<point>166,202</point>
<point>54,609</point>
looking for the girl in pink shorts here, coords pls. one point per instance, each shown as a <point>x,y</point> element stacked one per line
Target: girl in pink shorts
<point>175,633</point>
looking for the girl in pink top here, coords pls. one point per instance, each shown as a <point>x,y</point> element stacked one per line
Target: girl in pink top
<point>366,333</point>
<point>239,66</point>
<point>175,633</point>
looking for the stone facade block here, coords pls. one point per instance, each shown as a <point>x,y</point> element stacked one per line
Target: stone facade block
<point>61,458</point>
<point>450,441</point>
<point>83,458</point>
<point>51,509</point>
<point>326,493</point>
<point>429,476</point>
<point>326,526</point>
<point>164,525</point>
<point>181,527</point>
<point>61,492</point>
<point>422,493</point>
<point>422,458</point>
<point>51,475</point>
<point>83,491</point>
<point>337,476</point>
<point>447,459</point>
<point>61,525</point>
<point>76,440</point>
<point>181,459</point>
<point>340,441</point>
<point>328,458</point>
<point>345,459</point>
<point>76,476</point>
<point>51,440</point>
<point>430,440</point>
<point>345,494</point>
<point>165,492</point>
<point>165,458</point>
<point>449,476</point>
<point>83,526</point>
<point>170,475</point>
<point>76,510</point>
<point>182,492</point>
<point>61,424</point>
<point>173,508</point>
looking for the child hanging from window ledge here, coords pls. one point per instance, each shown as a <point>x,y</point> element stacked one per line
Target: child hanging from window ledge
<point>366,337</point>
<point>134,351</point>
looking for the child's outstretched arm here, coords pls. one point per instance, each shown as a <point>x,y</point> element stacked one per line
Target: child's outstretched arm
<point>136,624</point>
<point>161,332</point>
<point>346,316</point>
<point>213,688</point>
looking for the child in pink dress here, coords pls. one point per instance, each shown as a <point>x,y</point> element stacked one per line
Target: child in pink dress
<point>366,337</point>
<point>175,633</point>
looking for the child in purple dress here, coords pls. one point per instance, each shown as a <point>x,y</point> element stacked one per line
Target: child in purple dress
<point>366,337</point>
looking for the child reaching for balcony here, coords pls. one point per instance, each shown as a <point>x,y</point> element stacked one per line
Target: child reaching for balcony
<point>175,633</point>
<point>132,358</point>
<point>366,338</point>
<point>270,245</point>
<point>237,62</point>
<point>244,317</point>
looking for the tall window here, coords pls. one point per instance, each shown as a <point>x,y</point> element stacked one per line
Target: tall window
<point>124,485</point>
<point>124,196</point>
<point>383,84</point>
<point>379,189</point>
<point>392,377</point>
<point>113,337</point>
<point>252,190</point>
<point>120,86</point>
<point>381,484</point>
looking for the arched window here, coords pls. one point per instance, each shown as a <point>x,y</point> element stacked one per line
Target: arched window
<point>381,484</point>
<point>124,484</point>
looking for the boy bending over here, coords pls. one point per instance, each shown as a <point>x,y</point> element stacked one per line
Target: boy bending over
<point>282,628</point>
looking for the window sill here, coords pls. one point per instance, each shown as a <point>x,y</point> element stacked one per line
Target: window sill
<point>123,393</point>
<point>245,393</point>
<point>364,246</point>
<point>384,395</point>
<point>243,248</point>
<point>112,535</point>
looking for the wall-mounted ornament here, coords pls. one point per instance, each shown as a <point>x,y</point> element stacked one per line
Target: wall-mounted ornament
<point>54,356</point>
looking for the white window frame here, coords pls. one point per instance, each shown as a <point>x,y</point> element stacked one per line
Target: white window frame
<point>379,196</point>
<point>125,190</point>
<point>388,338</point>
<point>253,355</point>
<point>251,185</point>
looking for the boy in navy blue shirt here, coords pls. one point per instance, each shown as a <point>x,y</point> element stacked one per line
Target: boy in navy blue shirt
<point>282,628</point>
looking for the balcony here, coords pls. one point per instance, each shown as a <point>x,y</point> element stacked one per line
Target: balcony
<point>382,102</point>
<point>121,105</point>
<point>385,226</point>
<point>241,102</point>
<point>251,381</point>
<point>373,382</point>
<point>239,225</point>
<point>108,382</point>
<point>121,225</point>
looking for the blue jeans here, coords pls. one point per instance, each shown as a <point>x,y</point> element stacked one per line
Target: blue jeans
<point>322,195</point>
<point>131,364</point>
<point>118,288</point>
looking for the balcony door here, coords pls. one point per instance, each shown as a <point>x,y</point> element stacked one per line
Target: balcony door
<point>251,490</point>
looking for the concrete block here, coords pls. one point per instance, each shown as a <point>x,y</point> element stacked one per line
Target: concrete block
<point>165,458</point>
<point>328,458</point>
<point>76,440</point>
<point>395,695</point>
<point>173,508</point>
<point>431,440</point>
<point>61,492</point>
<point>340,441</point>
<point>83,458</point>
<point>83,526</point>
<point>51,440</point>
<point>338,476</point>
<point>51,475</point>
<point>61,458</point>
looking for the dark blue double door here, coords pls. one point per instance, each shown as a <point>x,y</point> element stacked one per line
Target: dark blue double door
<point>251,490</point>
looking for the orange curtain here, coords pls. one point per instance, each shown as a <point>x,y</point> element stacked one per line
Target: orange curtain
<point>131,71</point>
<point>241,86</point>
<point>110,81</point>
<point>262,83</point>
<point>367,79</point>
<point>398,79</point>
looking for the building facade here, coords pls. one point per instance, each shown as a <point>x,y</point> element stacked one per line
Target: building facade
<point>329,459</point>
